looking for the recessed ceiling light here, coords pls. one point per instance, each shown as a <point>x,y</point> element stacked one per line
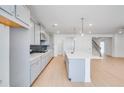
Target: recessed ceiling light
<point>120,32</point>
<point>55,25</point>
<point>90,24</point>
<point>82,34</point>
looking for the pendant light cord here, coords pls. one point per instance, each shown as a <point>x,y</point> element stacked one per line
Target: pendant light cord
<point>82,24</point>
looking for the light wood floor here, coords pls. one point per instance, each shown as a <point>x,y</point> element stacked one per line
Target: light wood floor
<point>106,72</point>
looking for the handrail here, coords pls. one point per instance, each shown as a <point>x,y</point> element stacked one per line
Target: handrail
<point>96,44</point>
<point>97,47</point>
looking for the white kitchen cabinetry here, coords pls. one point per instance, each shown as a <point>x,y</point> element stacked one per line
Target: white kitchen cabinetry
<point>15,15</point>
<point>35,69</point>
<point>14,50</point>
<point>32,35</point>
<point>23,14</point>
<point>9,9</point>
<point>4,56</point>
<point>50,55</point>
<point>75,69</point>
<point>19,57</point>
<point>44,60</point>
<point>39,63</point>
<point>37,34</point>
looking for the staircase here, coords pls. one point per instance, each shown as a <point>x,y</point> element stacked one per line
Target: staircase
<point>96,50</point>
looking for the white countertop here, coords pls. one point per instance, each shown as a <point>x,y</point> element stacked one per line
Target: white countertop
<point>33,56</point>
<point>79,55</point>
<point>76,55</point>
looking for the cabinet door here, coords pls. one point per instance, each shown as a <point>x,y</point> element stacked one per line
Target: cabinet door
<point>4,56</point>
<point>23,14</point>
<point>35,70</point>
<point>37,34</point>
<point>41,64</point>
<point>77,70</point>
<point>9,9</point>
<point>32,40</point>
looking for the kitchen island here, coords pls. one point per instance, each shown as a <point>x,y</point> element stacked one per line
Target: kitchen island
<point>78,67</point>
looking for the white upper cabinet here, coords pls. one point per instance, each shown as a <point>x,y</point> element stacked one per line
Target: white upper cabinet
<point>37,34</point>
<point>32,37</point>
<point>15,15</point>
<point>9,9</point>
<point>34,33</point>
<point>23,14</point>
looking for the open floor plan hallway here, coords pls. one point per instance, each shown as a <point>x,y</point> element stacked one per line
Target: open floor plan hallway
<point>104,72</point>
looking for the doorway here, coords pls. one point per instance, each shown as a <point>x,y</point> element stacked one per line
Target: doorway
<point>101,47</point>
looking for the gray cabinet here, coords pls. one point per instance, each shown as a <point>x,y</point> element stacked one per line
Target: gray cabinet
<point>35,69</point>
<point>16,15</point>
<point>76,69</point>
<point>23,14</point>
<point>4,56</point>
<point>37,34</point>
<point>32,33</point>
<point>9,9</point>
<point>38,64</point>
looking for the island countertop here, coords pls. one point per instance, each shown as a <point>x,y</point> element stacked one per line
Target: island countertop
<point>76,55</point>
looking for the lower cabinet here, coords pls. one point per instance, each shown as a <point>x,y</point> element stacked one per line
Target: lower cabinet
<point>76,69</point>
<point>35,69</point>
<point>39,64</point>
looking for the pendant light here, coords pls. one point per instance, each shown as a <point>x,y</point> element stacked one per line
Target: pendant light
<point>82,34</point>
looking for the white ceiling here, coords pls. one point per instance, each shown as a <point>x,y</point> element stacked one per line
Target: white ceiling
<point>105,19</point>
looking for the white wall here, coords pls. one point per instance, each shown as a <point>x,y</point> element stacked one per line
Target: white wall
<point>118,45</point>
<point>68,44</point>
<point>108,46</point>
<point>83,45</point>
<point>4,55</point>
